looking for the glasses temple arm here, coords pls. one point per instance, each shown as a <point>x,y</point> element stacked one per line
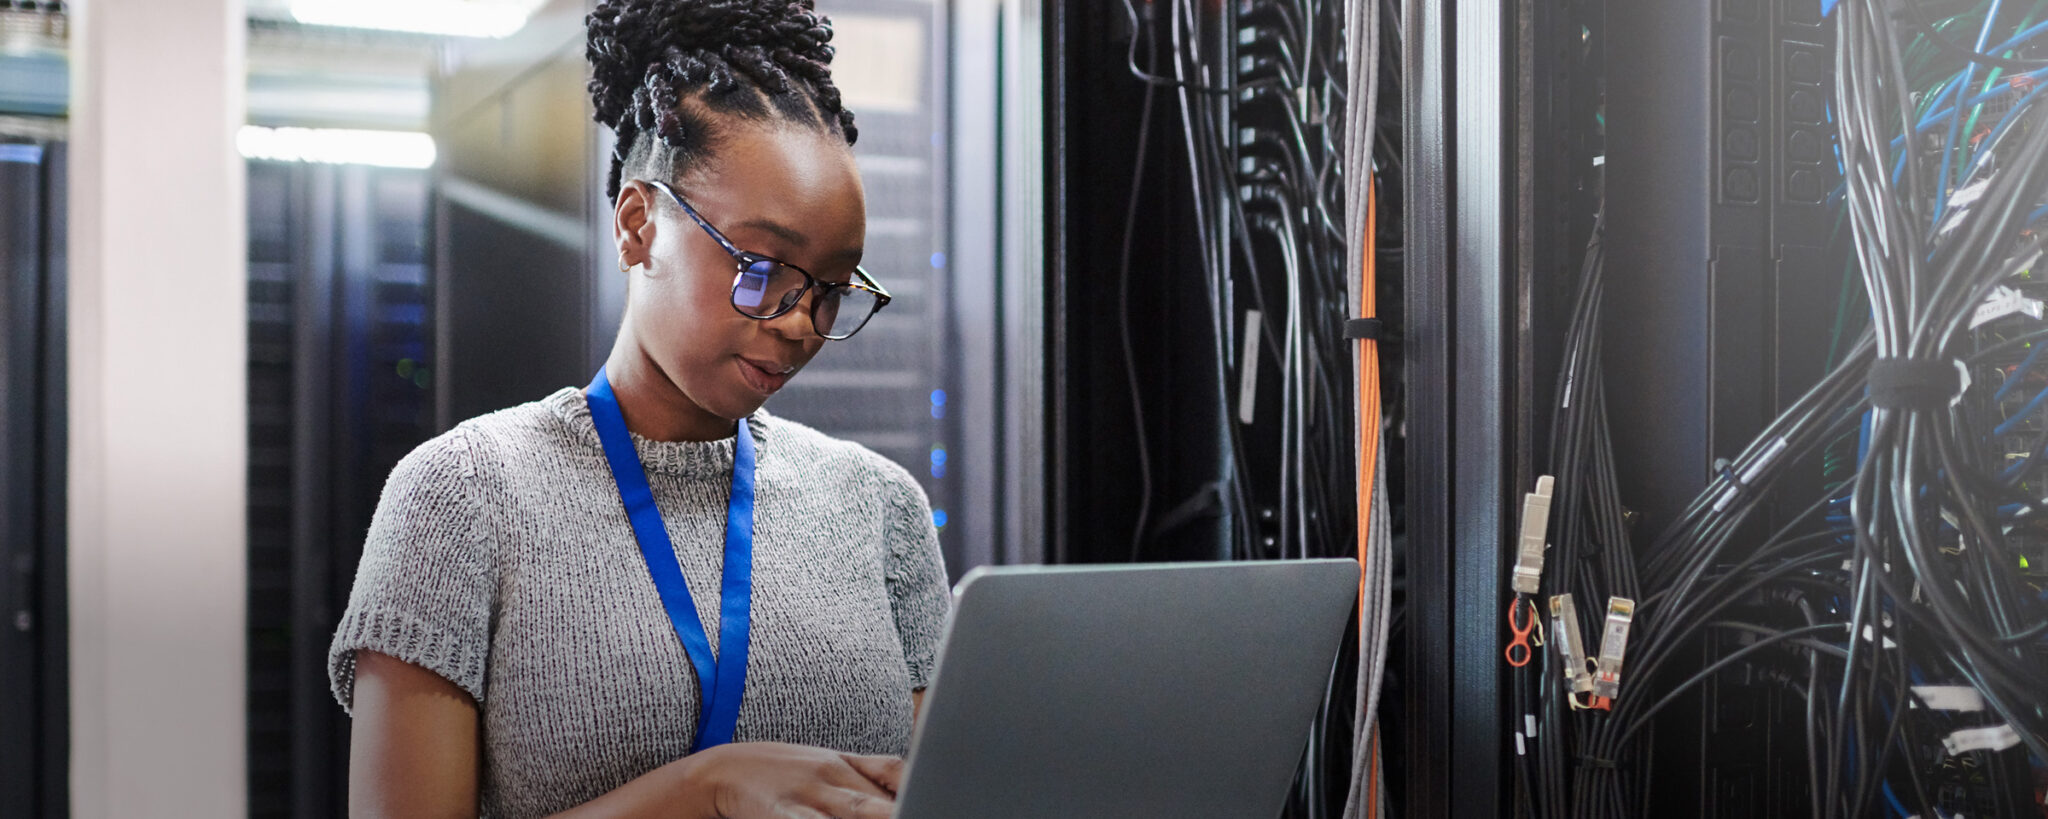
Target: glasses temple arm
<point>691,212</point>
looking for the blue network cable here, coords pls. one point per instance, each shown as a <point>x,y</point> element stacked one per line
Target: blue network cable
<point>2026,365</point>
<point>1955,118</point>
<point>2005,122</point>
<point>2009,424</point>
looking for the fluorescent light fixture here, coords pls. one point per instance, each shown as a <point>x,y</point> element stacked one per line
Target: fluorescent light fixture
<point>455,18</point>
<point>335,146</point>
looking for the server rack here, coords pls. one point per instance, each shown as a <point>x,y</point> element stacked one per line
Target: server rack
<point>340,377</point>
<point>34,671</point>
<point>1480,99</point>
<point>893,388</point>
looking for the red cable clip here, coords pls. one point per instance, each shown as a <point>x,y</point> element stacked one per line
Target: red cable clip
<point>1521,630</point>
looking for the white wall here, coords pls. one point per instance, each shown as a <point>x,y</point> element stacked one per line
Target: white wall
<point>157,409</point>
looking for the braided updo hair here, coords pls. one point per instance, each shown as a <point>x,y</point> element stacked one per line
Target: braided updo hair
<point>677,68</point>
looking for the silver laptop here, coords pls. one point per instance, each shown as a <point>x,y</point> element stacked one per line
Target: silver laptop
<point>1125,692</point>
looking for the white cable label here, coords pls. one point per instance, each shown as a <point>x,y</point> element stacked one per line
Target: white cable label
<point>1248,369</point>
<point>1994,738</point>
<point>1521,749</point>
<point>1959,204</point>
<point>2003,302</point>
<point>1530,721</point>
<point>1950,697</point>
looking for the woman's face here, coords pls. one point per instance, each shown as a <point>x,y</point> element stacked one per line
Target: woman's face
<point>789,193</point>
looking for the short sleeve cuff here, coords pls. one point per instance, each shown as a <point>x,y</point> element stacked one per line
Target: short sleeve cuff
<point>405,638</point>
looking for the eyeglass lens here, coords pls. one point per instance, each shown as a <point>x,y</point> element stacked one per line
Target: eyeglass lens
<point>766,288</point>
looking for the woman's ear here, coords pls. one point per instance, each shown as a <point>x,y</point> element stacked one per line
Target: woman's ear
<point>633,223</point>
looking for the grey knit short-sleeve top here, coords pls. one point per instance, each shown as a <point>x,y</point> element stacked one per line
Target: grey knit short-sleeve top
<point>500,558</point>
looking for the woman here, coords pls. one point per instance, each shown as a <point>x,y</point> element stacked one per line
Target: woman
<point>551,594</point>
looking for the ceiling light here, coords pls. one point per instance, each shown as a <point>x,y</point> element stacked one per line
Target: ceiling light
<point>386,149</point>
<point>455,18</point>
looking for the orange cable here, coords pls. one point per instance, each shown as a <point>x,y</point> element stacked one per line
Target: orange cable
<point>1372,779</point>
<point>1368,391</point>
<point>1368,448</point>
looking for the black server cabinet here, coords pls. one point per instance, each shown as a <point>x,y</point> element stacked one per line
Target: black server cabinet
<point>34,711</point>
<point>1718,230</point>
<point>340,380</point>
<point>527,296</point>
<point>1721,282</point>
<point>1130,346</point>
<point>1478,185</point>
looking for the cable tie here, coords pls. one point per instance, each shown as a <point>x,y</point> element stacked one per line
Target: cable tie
<point>1914,383</point>
<point>1365,329</point>
<point>1597,762</point>
<point>1739,485</point>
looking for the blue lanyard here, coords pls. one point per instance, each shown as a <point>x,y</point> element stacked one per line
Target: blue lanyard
<point>724,680</point>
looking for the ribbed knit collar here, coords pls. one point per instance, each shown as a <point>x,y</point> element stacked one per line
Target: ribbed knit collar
<point>690,459</point>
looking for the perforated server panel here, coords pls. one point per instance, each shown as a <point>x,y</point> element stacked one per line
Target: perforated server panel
<point>891,388</point>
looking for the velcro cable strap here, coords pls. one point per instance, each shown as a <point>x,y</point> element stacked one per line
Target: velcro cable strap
<point>1365,329</point>
<point>1913,384</point>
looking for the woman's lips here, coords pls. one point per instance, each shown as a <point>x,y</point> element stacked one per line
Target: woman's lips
<point>764,377</point>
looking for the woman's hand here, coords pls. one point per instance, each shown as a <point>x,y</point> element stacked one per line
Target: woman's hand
<point>767,780</point>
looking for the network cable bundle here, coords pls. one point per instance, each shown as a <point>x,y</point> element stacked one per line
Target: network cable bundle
<point>1873,566</point>
<point>1274,140</point>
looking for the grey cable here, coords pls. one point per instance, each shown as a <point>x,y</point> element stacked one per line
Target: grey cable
<point>1362,45</point>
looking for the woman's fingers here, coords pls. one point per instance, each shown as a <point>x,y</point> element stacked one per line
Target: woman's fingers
<point>886,771</point>
<point>844,803</point>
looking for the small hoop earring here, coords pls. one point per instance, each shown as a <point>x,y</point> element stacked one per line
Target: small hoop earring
<point>623,267</point>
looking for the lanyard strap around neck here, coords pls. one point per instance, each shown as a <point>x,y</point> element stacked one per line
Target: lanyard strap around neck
<point>722,679</point>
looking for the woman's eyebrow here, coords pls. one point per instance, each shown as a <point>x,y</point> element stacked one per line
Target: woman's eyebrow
<point>794,237</point>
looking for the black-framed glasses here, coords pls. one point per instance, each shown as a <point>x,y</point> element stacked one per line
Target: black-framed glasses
<point>765,287</point>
